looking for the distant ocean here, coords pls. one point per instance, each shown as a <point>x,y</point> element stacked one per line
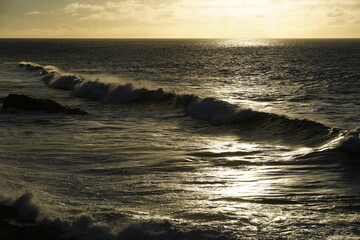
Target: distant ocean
<point>184,139</point>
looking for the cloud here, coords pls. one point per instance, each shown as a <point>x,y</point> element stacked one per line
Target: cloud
<point>173,11</point>
<point>185,18</point>
<point>226,18</point>
<point>336,13</point>
<point>77,8</point>
<point>33,13</point>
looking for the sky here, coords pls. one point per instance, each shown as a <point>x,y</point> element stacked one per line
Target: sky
<point>179,19</point>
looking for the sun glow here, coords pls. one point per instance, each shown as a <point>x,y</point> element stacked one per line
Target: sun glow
<point>234,8</point>
<point>180,19</point>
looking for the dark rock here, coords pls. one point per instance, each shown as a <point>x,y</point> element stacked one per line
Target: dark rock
<point>7,212</point>
<point>26,103</point>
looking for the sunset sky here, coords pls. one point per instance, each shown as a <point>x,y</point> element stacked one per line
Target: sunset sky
<point>179,18</point>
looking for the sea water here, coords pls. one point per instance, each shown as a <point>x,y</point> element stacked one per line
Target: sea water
<point>184,139</point>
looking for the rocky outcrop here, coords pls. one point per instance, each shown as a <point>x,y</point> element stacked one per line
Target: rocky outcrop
<point>19,102</point>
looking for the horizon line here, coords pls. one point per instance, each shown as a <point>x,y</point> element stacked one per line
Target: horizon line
<point>184,38</point>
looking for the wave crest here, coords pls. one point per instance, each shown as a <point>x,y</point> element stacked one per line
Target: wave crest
<point>21,219</point>
<point>31,66</point>
<point>272,127</point>
<point>219,112</point>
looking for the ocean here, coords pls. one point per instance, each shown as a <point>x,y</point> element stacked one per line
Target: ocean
<point>184,139</point>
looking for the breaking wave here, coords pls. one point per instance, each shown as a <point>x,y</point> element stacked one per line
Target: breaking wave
<point>24,219</point>
<point>268,126</point>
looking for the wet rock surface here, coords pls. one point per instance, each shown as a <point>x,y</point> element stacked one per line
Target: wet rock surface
<point>20,102</point>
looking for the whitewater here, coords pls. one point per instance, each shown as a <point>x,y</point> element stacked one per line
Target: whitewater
<point>184,139</point>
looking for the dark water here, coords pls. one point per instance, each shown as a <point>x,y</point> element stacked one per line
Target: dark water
<point>185,139</point>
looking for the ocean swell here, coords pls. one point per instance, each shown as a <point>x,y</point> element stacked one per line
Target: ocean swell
<point>267,126</point>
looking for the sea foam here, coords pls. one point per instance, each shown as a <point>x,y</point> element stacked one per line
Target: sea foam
<point>85,227</point>
<point>274,127</point>
<point>219,112</point>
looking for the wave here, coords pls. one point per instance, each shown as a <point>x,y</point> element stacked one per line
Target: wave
<point>217,111</point>
<point>343,149</point>
<point>351,141</point>
<point>22,218</point>
<point>31,66</point>
<point>267,126</point>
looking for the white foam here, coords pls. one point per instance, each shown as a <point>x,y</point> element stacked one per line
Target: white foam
<point>93,90</point>
<point>86,227</point>
<point>31,66</point>
<point>49,69</point>
<point>108,89</point>
<point>122,93</point>
<point>160,94</point>
<point>63,81</point>
<point>117,90</point>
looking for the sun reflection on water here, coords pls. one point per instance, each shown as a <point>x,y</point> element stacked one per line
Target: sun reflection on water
<point>246,183</point>
<point>230,145</point>
<point>249,42</point>
<point>231,149</point>
<point>250,171</point>
<point>241,183</point>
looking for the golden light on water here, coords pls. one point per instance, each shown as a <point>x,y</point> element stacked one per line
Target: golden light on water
<point>232,149</point>
<point>245,171</point>
<point>231,145</point>
<point>242,183</point>
<point>247,42</point>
